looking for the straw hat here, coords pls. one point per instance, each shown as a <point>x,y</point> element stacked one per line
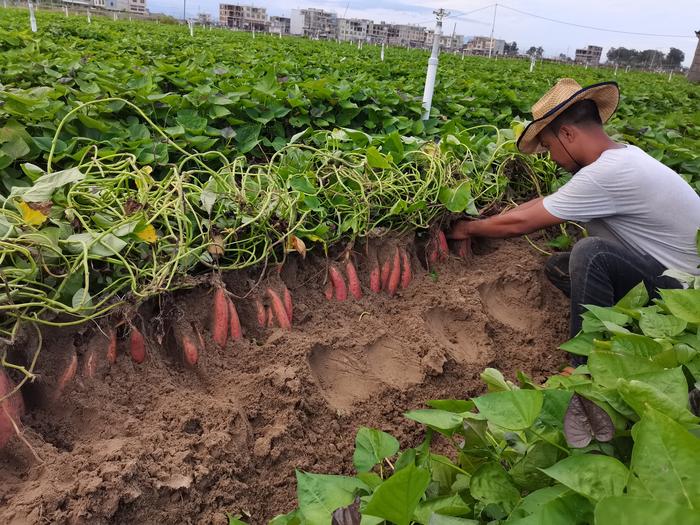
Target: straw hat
<point>566,92</point>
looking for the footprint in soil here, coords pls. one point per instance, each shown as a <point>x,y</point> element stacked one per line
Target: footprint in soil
<point>346,376</point>
<point>515,304</point>
<point>464,339</point>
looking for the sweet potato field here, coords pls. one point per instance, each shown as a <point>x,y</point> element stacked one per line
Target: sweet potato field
<point>224,281</point>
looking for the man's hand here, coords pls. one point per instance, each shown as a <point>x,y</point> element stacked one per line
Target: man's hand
<point>459,231</point>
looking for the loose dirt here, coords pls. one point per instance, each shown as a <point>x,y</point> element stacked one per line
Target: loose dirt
<point>161,443</point>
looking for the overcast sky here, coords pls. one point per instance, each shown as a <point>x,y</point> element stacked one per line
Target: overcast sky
<point>675,17</point>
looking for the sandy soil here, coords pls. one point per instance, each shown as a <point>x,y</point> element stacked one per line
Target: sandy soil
<point>158,442</point>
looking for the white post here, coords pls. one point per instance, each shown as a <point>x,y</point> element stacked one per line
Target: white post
<point>462,54</point>
<point>32,18</point>
<point>532,63</point>
<point>65,10</point>
<point>114,17</point>
<point>88,16</point>
<point>432,65</point>
<point>627,69</point>
<point>615,69</point>
<point>586,65</point>
<point>4,3</point>
<point>280,33</point>
<point>253,33</point>
<point>670,75</point>
<point>382,52</point>
<point>190,24</point>
<point>493,26</point>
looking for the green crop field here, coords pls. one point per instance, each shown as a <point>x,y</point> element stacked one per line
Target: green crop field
<point>135,159</point>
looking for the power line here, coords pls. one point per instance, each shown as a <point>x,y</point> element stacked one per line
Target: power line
<point>460,14</point>
<point>591,27</point>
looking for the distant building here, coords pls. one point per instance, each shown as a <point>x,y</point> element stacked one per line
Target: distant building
<point>378,33</point>
<point>279,24</point>
<point>694,71</point>
<point>589,56</point>
<point>354,29</point>
<point>448,42</point>
<point>128,6</point>
<point>314,23</point>
<point>480,45</point>
<point>205,19</point>
<point>243,17</point>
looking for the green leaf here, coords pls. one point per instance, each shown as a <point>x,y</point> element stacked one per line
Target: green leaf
<point>247,137</point>
<point>44,186</point>
<point>607,367</point>
<point>582,344</point>
<point>626,510</point>
<point>437,519</point>
<point>452,405</point>
<point>684,304</point>
<point>437,419</point>
<point>514,410</point>
<point>106,246</point>
<point>495,381</point>
<point>319,494</point>
<point>375,159</point>
<point>642,396</point>
<point>636,345</point>
<point>371,447</point>
<point>607,314</point>
<point>492,484</point>
<point>526,472</point>
<point>452,505</point>
<point>659,325</point>
<point>594,476</point>
<point>458,199</point>
<point>396,499</point>
<point>635,298</point>
<point>665,461</point>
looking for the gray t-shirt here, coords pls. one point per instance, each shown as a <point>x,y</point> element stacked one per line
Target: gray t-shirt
<point>647,206</point>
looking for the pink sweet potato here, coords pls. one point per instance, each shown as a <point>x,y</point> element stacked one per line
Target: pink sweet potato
<point>137,346</point>
<point>443,250</point>
<point>406,274</point>
<point>353,280</point>
<point>219,318</point>
<point>261,313</point>
<point>339,287</point>
<point>278,309</point>
<point>375,277</point>
<point>288,304</point>
<point>395,275</point>
<point>234,322</point>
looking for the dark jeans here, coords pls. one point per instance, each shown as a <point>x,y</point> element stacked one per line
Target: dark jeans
<point>600,271</point>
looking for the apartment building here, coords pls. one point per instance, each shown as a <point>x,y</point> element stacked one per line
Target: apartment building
<point>243,17</point>
<point>480,45</point>
<point>279,24</point>
<point>589,55</point>
<point>314,23</point>
<point>354,29</point>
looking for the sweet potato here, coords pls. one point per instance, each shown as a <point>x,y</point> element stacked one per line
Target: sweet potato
<point>288,304</point>
<point>67,375</point>
<point>386,273</point>
<point>137,346</point>
<point>234,322</point>
<point>395,275</point>
<point>328,292</point>
<point>90,359</point>
<point>375,278</point>
<point>270,317</point>
<point>261,313</point>
<point>431,252</point>
<point>339,287</point>
<point>278,309</point>
<point>112,346</point>
<point>219,318</point>
<point>463,248</point>
<point>11,409</point>
<point>443,250</point>
<point>353,280</point>
<point>190,351</point>
<point>406,274</point>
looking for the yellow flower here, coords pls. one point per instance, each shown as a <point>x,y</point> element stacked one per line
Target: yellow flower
<point>31,215</point>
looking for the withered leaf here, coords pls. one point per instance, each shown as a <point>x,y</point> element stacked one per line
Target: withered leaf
<point>584,420</point>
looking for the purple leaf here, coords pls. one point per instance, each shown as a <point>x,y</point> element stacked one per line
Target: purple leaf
<point>584,420</point>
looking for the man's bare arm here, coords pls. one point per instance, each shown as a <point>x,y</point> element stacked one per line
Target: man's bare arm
<point>526,218</point>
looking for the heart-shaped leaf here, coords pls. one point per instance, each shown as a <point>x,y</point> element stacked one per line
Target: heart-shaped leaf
<point>584,420</point>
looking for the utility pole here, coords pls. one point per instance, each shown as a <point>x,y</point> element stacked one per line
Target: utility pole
<point>184,10</point>
<point>493,26</point>
<point>433,64</point>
